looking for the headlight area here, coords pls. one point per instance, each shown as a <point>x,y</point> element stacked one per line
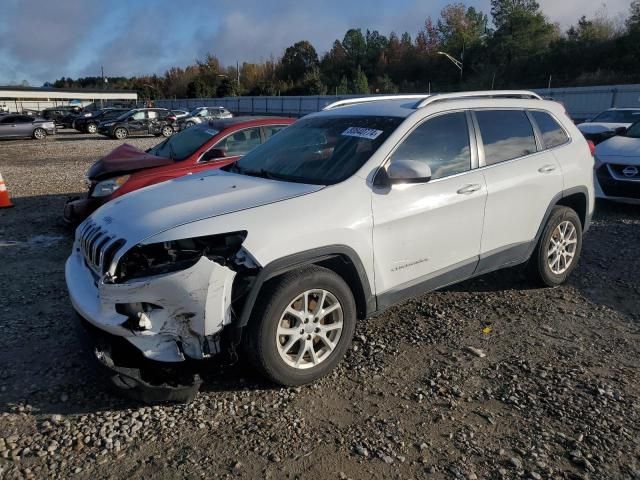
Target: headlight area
<point>106,187</point>
<point>166,257</point>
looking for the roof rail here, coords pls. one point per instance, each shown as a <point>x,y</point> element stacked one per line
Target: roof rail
<point>352,101</point>
<point>478,94</point>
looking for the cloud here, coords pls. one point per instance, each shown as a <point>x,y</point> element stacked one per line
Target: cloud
<point>42,40</point>
<point>43,37</point>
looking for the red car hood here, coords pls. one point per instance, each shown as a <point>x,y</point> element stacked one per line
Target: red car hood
<point>125,158</point>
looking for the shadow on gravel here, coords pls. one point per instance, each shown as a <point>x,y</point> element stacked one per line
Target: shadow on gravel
<point>608,272</point>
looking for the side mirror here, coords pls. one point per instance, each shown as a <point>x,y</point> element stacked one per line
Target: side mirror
<point>213,154</point>
<point>403,171</point>
<point>620,130</point>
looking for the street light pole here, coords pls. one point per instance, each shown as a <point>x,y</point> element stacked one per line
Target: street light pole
<point>455,61</point>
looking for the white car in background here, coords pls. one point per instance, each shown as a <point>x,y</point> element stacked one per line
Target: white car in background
<point>607,123</point>
<point>618,167</point>
<point>343,214</point>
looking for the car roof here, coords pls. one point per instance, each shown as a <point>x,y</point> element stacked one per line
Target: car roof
<point>224,123</point>
<point>404,105</point>
<point>626,108</point>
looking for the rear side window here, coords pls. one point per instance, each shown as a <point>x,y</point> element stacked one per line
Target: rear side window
<point>552,133</point>
<point>442,143</point>
<point>506,134</point>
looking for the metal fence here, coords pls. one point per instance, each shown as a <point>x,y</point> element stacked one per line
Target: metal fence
<point>581,102</point>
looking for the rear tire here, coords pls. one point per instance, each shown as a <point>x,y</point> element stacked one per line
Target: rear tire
<point>39,134</point>
<point>166,131</point>
<point>189,124</point>
<point>120,133</point>
<point>558,249</point>
<point>301,326</point>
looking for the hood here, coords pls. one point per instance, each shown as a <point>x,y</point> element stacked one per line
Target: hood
<point>160,207</point>
<point>600,127</point>
<point>619,147</point>
<point>125,158</point>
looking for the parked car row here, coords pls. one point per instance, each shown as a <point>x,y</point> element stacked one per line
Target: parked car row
<point>272,238</point>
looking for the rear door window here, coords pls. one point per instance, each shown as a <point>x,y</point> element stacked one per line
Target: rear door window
<point>271,130</point>
<point>552,133</point>
<point>506,134</point>
<point>241,142</point>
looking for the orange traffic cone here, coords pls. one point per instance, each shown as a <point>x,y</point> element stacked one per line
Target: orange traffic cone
<point>5,201</point>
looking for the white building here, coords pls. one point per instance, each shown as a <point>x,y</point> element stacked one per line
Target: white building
<point>18,99</point>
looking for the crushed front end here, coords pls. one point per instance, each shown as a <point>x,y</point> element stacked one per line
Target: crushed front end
<point>168,300</point>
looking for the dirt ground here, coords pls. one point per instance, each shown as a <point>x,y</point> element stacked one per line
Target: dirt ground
<point>556,396</point>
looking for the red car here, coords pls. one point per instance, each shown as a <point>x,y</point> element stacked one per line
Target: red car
<point>207,145</point>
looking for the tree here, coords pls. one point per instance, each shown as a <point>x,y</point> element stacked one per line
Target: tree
<point>633,22</point>
<point>311,83</point>
<point>360,82</point>
<point>297,60</point>
<point>460,27</point>
<point>227,88</point>
<point>343,87</point>
<point>521,31</point>
<point>355,47</point>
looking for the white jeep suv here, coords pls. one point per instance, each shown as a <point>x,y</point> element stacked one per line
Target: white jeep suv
<point>344,213</point>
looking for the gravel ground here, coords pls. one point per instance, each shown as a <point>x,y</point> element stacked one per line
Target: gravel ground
<point>492,378</point>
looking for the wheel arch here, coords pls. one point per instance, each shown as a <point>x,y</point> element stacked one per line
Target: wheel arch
<point>341,259</point>
<point>578,202</point>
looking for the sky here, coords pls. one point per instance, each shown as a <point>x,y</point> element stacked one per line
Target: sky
<point>43,40</point>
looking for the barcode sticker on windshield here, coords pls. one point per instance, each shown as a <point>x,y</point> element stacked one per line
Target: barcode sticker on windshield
<point>361,132</point>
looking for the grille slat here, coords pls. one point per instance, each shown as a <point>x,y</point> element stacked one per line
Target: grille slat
<point>98,247</point>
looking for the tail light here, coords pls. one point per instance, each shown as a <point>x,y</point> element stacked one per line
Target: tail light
<point>173,118</point>
<point>592,147</point>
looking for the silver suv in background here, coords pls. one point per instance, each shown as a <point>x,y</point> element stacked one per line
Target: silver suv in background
<point>203,114</point>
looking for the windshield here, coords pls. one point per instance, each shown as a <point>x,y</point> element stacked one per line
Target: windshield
<point>633,131</point>
<point>183,144</point>
<point>322,150</point>
<point>195,111</point>
<point>618,116</point>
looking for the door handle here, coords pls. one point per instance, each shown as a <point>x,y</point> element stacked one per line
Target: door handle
<point>547,169</point>
<point>467,189</point>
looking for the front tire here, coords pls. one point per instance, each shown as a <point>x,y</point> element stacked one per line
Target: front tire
<point>558,249</point>
<point>120,133</point>
<point>189,124</point>
<point>301,326</point>
<point>39,134</point>
<point>167,131</point>
<point>92,128</point>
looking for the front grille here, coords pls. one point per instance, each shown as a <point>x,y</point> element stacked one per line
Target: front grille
<point>612,186</point>
<point>98,247</point>
<point>624,172</point>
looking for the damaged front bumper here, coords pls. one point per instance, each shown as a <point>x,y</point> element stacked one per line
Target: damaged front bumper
<point>76,209</point>
<point>167,318</point>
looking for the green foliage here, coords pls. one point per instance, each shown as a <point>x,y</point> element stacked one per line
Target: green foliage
<point>360,82</point>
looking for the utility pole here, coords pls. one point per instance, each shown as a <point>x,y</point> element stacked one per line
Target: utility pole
<point>102,75</point>
<point>238,74</point>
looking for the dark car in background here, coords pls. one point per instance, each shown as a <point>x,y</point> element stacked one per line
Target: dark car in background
<point>17,126</point>
<point>58,114</point>
<point>140,121</point>
<point>88,122</point>
<point>211,145</point>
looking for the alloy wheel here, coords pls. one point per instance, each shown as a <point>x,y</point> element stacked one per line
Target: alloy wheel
<point>309,329</point>
<point>562,247</point>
